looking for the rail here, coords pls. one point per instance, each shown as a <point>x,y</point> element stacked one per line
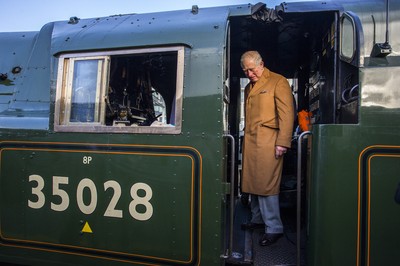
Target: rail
<point>298,214</point>
<point>232,194</point>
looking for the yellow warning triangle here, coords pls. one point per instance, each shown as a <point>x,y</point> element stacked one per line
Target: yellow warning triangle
<point>86,228</point>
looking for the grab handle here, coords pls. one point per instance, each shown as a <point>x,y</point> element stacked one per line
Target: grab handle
<point>232,196</point>
<point>298,218</point>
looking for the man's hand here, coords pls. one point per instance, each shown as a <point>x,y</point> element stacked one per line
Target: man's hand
<point>280,151</point>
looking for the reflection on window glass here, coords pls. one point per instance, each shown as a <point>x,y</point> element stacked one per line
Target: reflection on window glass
<point>347,40</point>
<point>84,91</point>
<point>159,107</point>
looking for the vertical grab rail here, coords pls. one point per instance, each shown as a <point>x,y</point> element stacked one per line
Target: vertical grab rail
<point>298,215</point>
<point>232,196</point>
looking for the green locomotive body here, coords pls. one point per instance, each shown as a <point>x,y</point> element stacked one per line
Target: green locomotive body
<point>120,136</point>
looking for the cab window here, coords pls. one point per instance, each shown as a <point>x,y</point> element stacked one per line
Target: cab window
<point>137,91</point>
<point>347,40</point>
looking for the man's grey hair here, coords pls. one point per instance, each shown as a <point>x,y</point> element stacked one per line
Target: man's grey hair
<point>251,55</point>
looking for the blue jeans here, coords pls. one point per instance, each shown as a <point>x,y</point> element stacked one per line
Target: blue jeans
<point>265,209</point>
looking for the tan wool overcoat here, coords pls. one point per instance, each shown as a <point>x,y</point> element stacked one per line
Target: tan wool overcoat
<point>269,118</point>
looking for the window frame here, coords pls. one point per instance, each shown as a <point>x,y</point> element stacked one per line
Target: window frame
<point>345,41</point>
<point>64,88</point>
<point>357,39</point>
<point>101,81</point>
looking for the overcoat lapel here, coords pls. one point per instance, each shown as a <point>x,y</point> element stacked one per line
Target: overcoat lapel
<point>256,88</point>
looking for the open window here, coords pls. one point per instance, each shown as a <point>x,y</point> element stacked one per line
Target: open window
<point>127,91</point>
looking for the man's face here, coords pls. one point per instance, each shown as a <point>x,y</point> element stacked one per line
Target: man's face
<point>252,71</point>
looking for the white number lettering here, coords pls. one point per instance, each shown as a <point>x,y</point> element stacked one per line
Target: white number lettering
<point>57,191</point>
<point>111,211</point>
<point>37,191</point>
<point>137,200</point>
<point>86,183</point>
<point>87,159</point>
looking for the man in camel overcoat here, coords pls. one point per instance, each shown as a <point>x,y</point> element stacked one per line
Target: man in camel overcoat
<point>269,117</point>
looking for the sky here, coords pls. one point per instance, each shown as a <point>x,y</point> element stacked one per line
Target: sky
<point>31,15</point>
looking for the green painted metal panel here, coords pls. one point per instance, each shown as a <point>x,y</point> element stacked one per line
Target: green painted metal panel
<point>379,212</point>
<point>351,209</point>
<point>112,200</point>
<point>195,29</point>
<point>332,210</point>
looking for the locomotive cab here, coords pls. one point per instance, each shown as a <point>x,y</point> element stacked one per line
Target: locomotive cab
<point>331,52</point>
<point>304,43</point>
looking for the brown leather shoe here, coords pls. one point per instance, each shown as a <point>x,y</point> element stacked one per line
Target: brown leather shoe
<point>269,239</point>
<point>251,226</point>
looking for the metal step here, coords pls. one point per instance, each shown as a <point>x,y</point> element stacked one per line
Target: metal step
<point>247,251</point>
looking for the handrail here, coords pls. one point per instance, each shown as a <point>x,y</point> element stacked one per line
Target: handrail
<point>232,196</point>
<point>298,217</point>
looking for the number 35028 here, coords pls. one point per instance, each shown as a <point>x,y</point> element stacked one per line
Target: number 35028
<point>90,207</point>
